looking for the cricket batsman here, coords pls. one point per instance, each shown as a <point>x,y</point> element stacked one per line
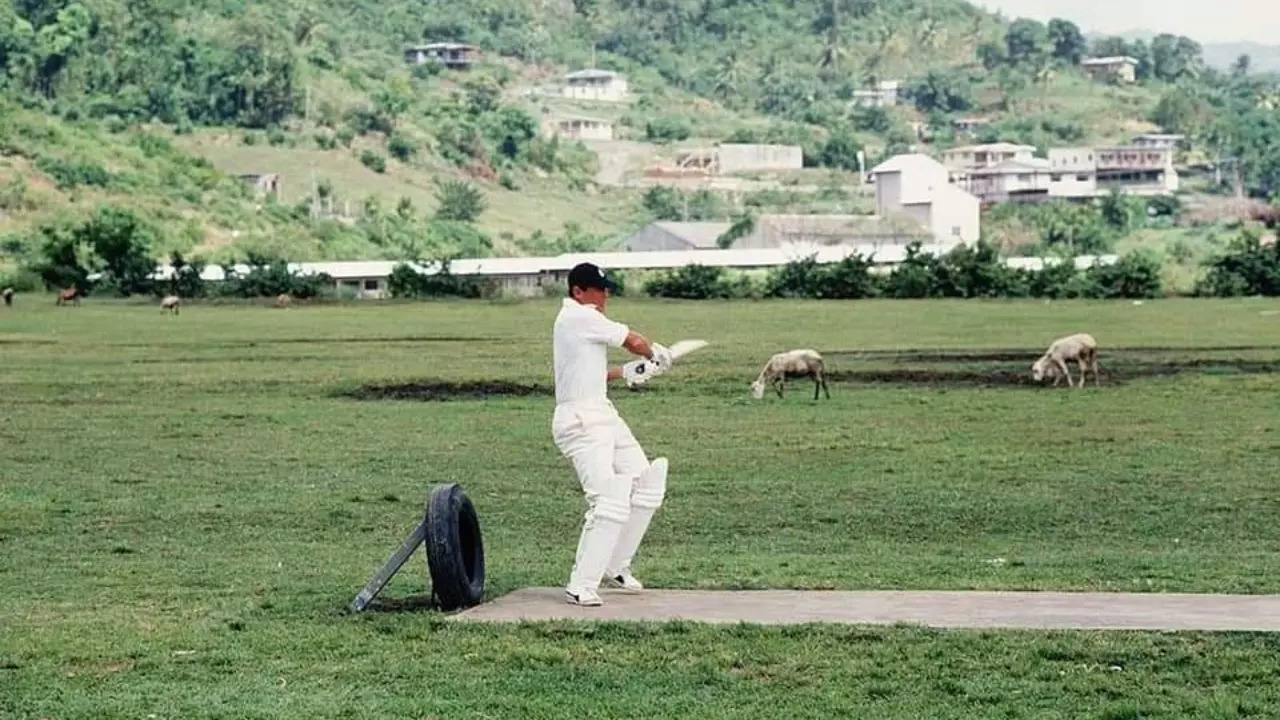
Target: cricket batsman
<point>623,489</point>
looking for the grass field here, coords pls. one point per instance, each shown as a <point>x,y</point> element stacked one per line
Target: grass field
<point>187,504</point>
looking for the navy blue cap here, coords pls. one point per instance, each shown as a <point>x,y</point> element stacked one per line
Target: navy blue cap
<point>588,275</point>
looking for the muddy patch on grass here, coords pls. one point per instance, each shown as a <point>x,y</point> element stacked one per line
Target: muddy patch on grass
<point>439,390</point>
<point>388,340</point>
<point>944,355</point>
<point>241,344</point>
<point>1120,373</point>
<point>229,359</point>
<point>933,378</point>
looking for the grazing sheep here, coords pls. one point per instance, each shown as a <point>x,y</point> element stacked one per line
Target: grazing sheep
<point>8,296</point>
<point>70,295</point>
<point>793,364</point>
<point>170,303</point>
<point>1081,347</point>
<point>283,300</point>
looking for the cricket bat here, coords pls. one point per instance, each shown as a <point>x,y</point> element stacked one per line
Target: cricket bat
<point>684,347</point>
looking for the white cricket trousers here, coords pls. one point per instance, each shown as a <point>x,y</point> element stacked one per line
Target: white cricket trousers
<point>621,496</point>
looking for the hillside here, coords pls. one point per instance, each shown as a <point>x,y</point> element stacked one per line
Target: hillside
<point>154,106</point>
<point>1223,55</point>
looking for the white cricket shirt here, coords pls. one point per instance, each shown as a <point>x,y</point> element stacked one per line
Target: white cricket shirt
<point>582,338</point>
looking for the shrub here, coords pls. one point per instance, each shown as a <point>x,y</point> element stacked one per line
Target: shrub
<point>666,129</point>
<point>691,282</point>
<point>68,174</point>
<point>269,277</point>
<point>374,161</point>
<point>1246,268</point>
<point>405,282</point>
<point>21,280</point>
<point>1136,275</point>
<point>459,201</point>
<point>401,147</point>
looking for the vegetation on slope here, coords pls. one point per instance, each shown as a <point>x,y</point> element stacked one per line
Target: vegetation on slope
<point>321,88</point>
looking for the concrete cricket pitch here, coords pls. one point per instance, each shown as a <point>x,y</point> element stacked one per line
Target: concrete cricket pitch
<point>942,609</point>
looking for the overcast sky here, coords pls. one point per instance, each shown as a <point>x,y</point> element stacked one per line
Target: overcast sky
<point>1201,20</point>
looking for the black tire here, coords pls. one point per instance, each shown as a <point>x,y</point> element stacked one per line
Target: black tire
<point>455,549</point>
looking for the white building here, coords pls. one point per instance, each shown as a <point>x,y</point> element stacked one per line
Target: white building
<point>884,94</point>
<point>968,157</point>
<point>536,276</point>
<point>1092,172</point>
<point>456,56</point>
<point>782,230</point>
<point>582,128</point>
<point>599,85</point>
<point>1121,68</point>
<point>1011,181</point>
<point>919,187</point>
<point>1158,141</point>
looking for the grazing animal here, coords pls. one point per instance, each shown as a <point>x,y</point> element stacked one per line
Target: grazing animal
<point>170,303</point>
<point>69,295</point>
<point>284,300</point>
<point>793,364</point>
<point>1081,347</point>
<point>8,296</point>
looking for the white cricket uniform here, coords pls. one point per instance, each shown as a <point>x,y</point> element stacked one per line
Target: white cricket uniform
<point>589,432</point>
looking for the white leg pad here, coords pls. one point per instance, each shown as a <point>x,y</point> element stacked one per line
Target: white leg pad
<point>646,498</point>
<point>605,520</point>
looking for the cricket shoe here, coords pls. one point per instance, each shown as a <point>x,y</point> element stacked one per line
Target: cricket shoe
<point>624,581</point>
<point>583,597</point>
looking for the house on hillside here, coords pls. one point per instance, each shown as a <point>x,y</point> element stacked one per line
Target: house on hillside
<point>1158,141</point>
<point>1121,68</point>
<point>262,184</point>
<point>670,235</point>
<point>1010,181</point>
<point>1092,172</point>
<point>918,187</point>
<point>455,56</point>
<point>582,128</point>
<point>600,85</point>
<point>971,123</point>
<point>884,94</point>
<point>969,157</point>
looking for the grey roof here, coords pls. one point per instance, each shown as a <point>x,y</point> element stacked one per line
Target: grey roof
<point>1013,166</point>
<point>590,73</point>
<point>909,161</point>
<point>697,234</point>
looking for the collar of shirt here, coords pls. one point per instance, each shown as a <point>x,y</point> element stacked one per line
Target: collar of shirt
<point>571,303</point>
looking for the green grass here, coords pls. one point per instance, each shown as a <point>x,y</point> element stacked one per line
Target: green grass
<point>188,505</point>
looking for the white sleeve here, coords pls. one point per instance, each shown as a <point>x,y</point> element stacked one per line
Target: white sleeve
<point>600,329</point>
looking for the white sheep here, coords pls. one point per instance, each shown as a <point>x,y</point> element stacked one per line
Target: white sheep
<point>793,364</point>
<point>1081,347</point>
<point>170,303</point>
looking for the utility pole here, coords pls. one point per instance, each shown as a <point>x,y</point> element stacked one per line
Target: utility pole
<point>311,162</point>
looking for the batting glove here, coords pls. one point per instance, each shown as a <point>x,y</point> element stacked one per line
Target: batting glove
<point>662,356</point>
<point>638,372</point>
